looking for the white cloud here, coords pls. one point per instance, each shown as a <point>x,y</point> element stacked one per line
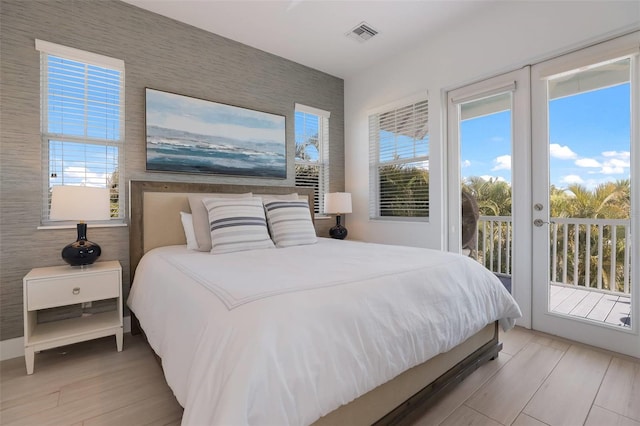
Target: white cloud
<point>618,154</point>
<point>83,175</point>
<point>587,162</point>
<point>616,163</point>
<point>572,179</point>
<point>466,163</point>
<point>561,152</point>
<point>503,162</point>
<point>612,170</point>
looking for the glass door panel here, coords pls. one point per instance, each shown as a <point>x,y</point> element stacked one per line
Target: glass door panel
<point>585,198</point>
<point>488,159</point>
<point>485,175</point>
<point>590,193</point>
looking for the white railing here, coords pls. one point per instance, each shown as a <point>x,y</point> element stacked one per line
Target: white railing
<point>590,253</point>
<point>493,243</point>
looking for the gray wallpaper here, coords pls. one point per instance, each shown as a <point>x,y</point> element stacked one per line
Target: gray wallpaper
<point>158,53</point>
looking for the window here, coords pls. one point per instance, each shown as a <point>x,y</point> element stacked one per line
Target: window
<point>399,162</point>
<point>312,151</point>
<point>82,110</point>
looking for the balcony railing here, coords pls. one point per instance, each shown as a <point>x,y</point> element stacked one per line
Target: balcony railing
<point>593,254</point>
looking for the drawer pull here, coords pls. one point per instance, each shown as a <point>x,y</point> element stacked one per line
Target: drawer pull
<point>76,290</point>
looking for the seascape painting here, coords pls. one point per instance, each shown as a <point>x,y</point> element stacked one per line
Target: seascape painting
<point>191,135</point>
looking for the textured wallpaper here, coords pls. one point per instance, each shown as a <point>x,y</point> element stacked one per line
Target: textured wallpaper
<point>159,53</point>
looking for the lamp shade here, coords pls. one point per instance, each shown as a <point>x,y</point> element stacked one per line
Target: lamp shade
<point>80,203</point>
<point>337,202</point>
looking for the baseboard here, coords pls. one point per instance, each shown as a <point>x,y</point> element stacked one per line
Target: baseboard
<point>14,348</point>
<point>11,348</point>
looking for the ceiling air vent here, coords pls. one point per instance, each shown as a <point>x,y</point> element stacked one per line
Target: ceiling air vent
<point>362,32</point>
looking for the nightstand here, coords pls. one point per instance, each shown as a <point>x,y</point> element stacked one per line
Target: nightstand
<point>66,285</point>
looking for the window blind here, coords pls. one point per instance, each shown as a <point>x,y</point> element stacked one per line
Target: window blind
<point>399,162</point>
<point>312,152</point>
<point>82,122</point>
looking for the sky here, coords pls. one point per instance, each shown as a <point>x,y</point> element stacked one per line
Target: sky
<point>589,140</point>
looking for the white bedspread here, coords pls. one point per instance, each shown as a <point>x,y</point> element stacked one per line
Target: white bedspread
<point>285,336</point>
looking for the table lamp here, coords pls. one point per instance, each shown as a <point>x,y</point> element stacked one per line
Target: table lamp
<point>337,203</point>
<point>80,203</point>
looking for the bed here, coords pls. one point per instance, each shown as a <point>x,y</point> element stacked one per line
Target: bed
<point>296,335</point>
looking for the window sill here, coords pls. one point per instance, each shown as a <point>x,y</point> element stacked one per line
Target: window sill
<point>323,217</point>
<point>399,219</point>
<point>90,225</point>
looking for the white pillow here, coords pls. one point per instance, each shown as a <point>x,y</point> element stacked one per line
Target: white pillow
<point>290,223</point>
<point>201,216</point>
<point>237,224</point>
<point>189,233</point>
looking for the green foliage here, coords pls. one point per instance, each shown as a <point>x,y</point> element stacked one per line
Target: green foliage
<point>404,191</point>
<point>309,176</point>
<point>493,196</point>
<point>610,200</point>
<point>113,183</point>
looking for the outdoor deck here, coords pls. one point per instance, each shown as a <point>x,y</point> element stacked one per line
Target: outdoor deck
<point>580,252</point>
<point>610,308</point>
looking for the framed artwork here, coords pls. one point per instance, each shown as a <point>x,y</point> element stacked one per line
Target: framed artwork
<point>191,135</point>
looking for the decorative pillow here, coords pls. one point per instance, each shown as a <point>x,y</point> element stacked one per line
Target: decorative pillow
<point>201,216</point>
<point>290,223</point>
<point>189,233</point>
<point>237,224</point>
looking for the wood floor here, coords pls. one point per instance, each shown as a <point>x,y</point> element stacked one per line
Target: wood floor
<point>536,380</point>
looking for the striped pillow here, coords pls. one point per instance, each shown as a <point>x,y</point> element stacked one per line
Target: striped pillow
<point>237,224</point>
<point>201,216</point>
<point>290,223</point>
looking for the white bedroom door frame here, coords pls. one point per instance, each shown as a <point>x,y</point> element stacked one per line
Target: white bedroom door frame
<point>515,83</point>
<point>625,340</point>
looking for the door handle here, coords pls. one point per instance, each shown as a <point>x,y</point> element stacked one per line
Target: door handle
<point>539,222</point>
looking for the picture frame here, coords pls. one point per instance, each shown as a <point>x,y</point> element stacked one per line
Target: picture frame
<point>191,135</point>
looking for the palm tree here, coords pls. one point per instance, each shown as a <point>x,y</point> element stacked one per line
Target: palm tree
<point>493,196</point>
<point>494,199</point>
<point>404,190</point>
<point>607,201</point>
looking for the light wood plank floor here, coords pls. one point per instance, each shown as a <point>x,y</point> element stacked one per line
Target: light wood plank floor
<point>537,380</point>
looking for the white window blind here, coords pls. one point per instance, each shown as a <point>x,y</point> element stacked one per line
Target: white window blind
<point>312,152</point>
<point>399,162</point>
<point>82,109</point>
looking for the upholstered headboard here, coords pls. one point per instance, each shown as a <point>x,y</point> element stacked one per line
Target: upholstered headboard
<point>156,206</point>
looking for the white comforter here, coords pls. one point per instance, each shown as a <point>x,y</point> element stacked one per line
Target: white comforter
<point>285,336</point>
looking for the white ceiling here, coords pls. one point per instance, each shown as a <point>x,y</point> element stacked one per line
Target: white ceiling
<point>312,32</point>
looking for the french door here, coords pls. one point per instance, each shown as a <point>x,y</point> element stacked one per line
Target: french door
<point>488,159</point>
<point>585,153</point>
<point>551,154</point>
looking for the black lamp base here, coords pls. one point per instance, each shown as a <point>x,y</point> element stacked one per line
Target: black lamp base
<point>338,232</point>
<point>82,251</point>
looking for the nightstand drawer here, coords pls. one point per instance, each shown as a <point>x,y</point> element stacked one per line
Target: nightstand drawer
<point>68,290</point>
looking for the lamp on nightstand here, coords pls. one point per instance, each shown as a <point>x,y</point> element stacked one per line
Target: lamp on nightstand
<point>337,203</point>
<point>80,203</point>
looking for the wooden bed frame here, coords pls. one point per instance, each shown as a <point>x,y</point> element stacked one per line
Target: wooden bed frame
<point>396,402</point>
